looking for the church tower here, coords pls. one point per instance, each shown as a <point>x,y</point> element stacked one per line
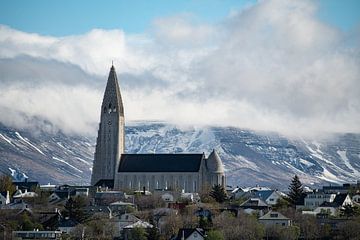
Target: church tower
<point>110,142</point>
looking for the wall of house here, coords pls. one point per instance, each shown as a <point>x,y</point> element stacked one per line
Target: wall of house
<point>314,200</point>
<point>272,222</point>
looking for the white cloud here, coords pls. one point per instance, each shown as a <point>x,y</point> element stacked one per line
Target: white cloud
<point>272,66</point>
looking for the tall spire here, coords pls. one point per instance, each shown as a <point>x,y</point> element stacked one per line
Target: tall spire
<point>110,143</point>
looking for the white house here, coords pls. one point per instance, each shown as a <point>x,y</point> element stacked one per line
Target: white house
<point>167,197</point>
<point>271,197</point>
<point>316,198</point>
<point>24,194</point>
<point>273,218</point>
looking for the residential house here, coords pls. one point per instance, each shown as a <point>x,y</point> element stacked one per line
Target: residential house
<point>107,197</point>
<point>237,193</point>
<point>128,221</point>
<point>22,235</point>
<point>104,210</point>
<point>26,185</point>
<point>120,207</point>
<point>337,188</point>
<point>192,197</point>
<point>66,225</point>
<point>341,200</point>
<point>190,234</point>
<point>23,194</point>
<point>316,198</point>
<point>269,196</point>
<point>60,196</point>
<point>254,204</point>
<point>48,187</point>
<point>273,218</point>
<point>167,197</point>
<point>356,198</point>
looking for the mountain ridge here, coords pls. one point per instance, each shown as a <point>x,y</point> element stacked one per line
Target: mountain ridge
<point>249,157</point>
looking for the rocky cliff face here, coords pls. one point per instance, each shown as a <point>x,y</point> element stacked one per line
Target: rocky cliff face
<point>249,157</point>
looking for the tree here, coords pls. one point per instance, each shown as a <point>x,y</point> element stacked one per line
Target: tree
<point>154,231</point>
<point>218,193</point>
<point>296,190</point>
<point>349,211</point>
<point>6,184</point>
<point>282,203</point>
<point>74,208</point>
<point>349,230</point>
<point>280,232</point>
<point>309,227</point>
<point>172,224</point>
<point>137,233</point>
<point>243,227</point>
<point>214,235</point>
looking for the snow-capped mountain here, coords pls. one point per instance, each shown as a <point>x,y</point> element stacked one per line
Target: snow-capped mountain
<point>249,157</point>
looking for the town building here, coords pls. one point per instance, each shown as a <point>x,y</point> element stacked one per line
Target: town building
<point>119,170</point>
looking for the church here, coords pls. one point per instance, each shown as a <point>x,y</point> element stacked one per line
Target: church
<point>189,172</point>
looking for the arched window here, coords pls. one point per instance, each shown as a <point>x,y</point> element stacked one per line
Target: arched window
<point>109,107</point>
<point>104,109</point>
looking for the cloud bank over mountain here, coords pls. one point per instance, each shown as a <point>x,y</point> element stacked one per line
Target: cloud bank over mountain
<point>273,66</point>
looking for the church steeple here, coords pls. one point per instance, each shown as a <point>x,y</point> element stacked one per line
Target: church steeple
<point>110,143</point>
<point>112,101</point>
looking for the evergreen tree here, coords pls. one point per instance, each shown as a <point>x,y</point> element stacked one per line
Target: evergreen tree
<point>74,208</point>
<point>349,211</point>
<point>218,193</point>
<point>296,190</point>
<point>153,233</point>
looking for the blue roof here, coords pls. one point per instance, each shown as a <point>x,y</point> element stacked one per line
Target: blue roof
<point>263,195</point>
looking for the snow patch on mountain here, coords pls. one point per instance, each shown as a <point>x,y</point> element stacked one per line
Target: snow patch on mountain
<point>27,141</point>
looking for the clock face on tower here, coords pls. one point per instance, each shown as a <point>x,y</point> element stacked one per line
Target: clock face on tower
<point>109,122</point>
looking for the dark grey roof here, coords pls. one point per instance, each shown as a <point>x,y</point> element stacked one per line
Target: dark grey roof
<point>160,162</point>
<point>338,201</point>
<point>186,232</point>
<point>4,194</point>
<point>105,183</point>
<point>26,185</point>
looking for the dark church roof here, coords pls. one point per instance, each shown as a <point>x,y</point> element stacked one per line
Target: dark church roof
<point>160,162</point>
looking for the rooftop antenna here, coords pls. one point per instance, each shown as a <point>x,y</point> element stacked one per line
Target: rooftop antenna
<point>112,62</point>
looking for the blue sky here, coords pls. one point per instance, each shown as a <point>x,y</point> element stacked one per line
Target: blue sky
<point>68,17</point>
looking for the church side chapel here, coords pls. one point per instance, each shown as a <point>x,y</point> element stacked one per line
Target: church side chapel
<point>113,168</point>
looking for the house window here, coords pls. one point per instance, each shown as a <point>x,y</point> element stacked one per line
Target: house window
<point>271,199</point>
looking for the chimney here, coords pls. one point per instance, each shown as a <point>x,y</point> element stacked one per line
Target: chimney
<point>7,197</point>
